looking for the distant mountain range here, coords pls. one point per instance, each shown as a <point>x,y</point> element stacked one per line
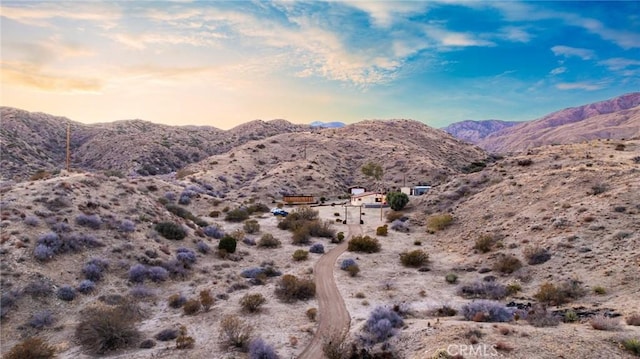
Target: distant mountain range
<point>615,118</point>
<point>327,124</point>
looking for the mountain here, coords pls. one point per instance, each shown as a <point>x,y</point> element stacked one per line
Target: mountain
<point>474,131</point>
<point>327,161</point>
<point>37,141</point>
<point>611,119</point>
<point>327,124</point>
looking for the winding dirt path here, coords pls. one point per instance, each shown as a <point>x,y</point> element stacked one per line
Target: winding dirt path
<point>332,312</point>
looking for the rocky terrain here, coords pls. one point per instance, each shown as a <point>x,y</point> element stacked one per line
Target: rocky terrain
<point>617,118</point>
<point>475,131</point>
<point>35,141</point>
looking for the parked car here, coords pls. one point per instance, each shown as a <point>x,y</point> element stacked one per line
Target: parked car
<point>279,212</point>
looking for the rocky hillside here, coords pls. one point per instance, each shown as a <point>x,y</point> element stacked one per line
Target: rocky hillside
<point>36,141</point>
<point>474,131</point>
<point>616,118</point>
<point>327,162</point>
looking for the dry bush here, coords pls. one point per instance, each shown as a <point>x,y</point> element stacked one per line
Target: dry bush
<point>416,258</point>
<point>234,332</point>
<point>183,341</point>
<point>251,226</point>
<point>107,329</point>
<point>290,288</point>
<point>382,230</point>
<point>268,241</point>
<point>206,299</point>
<point>507,264</point>
<point>600,322</point>
<point>540,317</point>
<point>393,215</point>
<point>336,346</point>
<point>438,222</point>
<point>252,302</point>
<point>191,307</point>
<point>632,345</point>
<point>634,319</point>
<point>300,255</point>
<point>363,244</point>
<point>561,294</point>
<point>485,243</point>
<point>536,255</point>
<point>31,348</point>
<point>312,313</point>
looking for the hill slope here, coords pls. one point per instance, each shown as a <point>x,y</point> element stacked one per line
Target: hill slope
<point>475,131</point>
<point>37,141</point>
<point>615,119</point>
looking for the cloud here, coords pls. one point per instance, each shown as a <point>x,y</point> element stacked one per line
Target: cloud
<point>29,75</point>
<point>514,34</point>
<point>385,13</point>
<point>567,51</point>
<point>558,70</point>
<point>455,39</point>
<point>38,14</point>
<point>619,63</point>
<point>578,86</point>
<point>141,41</point>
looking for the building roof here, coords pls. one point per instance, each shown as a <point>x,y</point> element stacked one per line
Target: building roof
<point>366,194</point>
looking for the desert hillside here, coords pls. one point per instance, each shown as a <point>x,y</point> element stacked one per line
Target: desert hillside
<point>474,131</point>
<point>617,118</point>
<point>76,248</point>
<point>35,141</point>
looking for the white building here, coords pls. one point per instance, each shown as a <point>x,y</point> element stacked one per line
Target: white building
<point>368,199</point>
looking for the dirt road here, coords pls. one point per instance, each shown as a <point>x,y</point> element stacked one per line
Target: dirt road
<point>333,316</point>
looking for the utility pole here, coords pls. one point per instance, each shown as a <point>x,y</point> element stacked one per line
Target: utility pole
<point>68,147</point>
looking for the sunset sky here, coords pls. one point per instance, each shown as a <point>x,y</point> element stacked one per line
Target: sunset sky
<point>221,63</point>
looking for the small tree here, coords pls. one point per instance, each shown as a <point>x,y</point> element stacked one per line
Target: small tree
<point>397,200</point>
<point>227,243</point>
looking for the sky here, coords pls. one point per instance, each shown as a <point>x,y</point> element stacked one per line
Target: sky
<point>222,63</point>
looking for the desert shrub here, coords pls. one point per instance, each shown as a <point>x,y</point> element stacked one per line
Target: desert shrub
<point>438,222</point>
<point>234,332</point>
<point>633,319</point>
<point>599,290</point>
<point>484,243</point>
<point>171,230</point>
<point>166,334</point>
<point>317,248</point>
<point>444,311</point>
<point>382,230</point>
<point>237,215</point>
<point>540,317</point>
<point>183,341</point>
<point>249,241</point>
<point>213,231</point>
<point>570,316</point>
<point>416,258</point>
<point>513,288</point>
<point>94,269</point>
<point>259,349</point>
<point>632,345</point>
<point>561,294</point>
<point>301,235</point>
<point>127,226</point>
<point>290,288</point>
<point>138,273</point>
<point>486,311</point>
<point>92,221</point>
<point>228,244</point>
<point>41,319</point>
<point>340,237</point>
<point>400,226</point>
<point>483,290</point>
<point>66,293</point>
<point>252,302</point>
<point>86,286</point>
<point>43,253</point>
<point>206,299</point>
<point>321,229</point>
<point>186,256</point>
<point>600,322</point>
<point>7,301</point>
<point>157,274</point>
<point>300,255</point>
<point>397,200</point>
<point>203,247</point>
<point>252,272</point>
<point>525,162</point>
<point>364,244</point>
<point>170,196</point>
<point>312,314</point>
<point>268,241</point>
<point>599,188</point>
<point>39,288</point>
<point>451,278</point>
<point>393,215</point>
<point>347,262</point>
<point>176,301</point>
<point>507,264</point>
<point>102,330</point>
<point>336,346</point>
<point>381,325</point>
<point>31,348</point>
<point>536,255</point>
<point>191,307</point>
<point>353,270</point>
<point>141,292</point>
<point>636,159</point>
<point>251,226</point>
<point>32,221</point>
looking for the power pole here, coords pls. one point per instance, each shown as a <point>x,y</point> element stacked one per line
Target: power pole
<point>68,147</point>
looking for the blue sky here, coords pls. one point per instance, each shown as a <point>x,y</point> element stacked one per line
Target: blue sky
<point>221,63</point>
